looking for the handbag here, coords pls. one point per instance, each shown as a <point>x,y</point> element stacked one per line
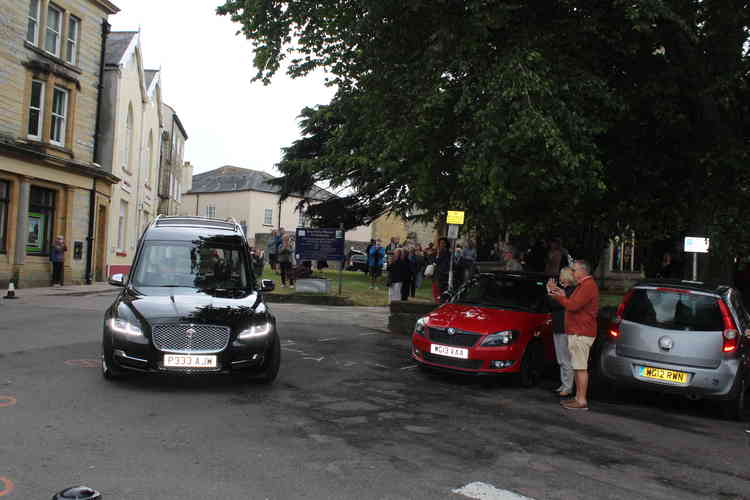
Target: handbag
<point>429,270</point>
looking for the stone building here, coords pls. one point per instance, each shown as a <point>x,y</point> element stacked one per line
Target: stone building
<point>131,125</point>
<point>389,226</point>
<point>175,174</point>
<point>50,72</point>
<point>247,196</point>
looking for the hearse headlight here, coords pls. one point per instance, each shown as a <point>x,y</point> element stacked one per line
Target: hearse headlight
<point>499,339</point>
<point>257,330</point>
<point>420,325</point>
<point>124,327</point>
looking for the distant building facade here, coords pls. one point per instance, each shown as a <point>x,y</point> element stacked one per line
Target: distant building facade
<point>247,196</point>
<point>388,226</point>
<point>50,73</point>
<point>175,174</point>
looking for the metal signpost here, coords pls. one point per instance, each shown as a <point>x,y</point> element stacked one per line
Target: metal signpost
<point>454,219</point>
<point>696,245</point>
<point>316,244</point>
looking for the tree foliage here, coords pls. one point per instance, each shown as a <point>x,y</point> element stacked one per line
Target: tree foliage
<point>574,117</point>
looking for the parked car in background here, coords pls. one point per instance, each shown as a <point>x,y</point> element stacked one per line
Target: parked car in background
<point>190,306</point>
<point>357,261</point>
<point>684,338</point>
<point>496,323</point>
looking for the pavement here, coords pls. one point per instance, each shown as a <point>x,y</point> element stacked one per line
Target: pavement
<point>67,290</point>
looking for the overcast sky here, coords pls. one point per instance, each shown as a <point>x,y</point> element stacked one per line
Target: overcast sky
<point>206,72</point>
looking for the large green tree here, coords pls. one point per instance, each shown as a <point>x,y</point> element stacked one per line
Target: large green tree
<point>583,118</point>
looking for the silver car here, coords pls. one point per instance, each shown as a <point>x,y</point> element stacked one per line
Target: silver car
<point>681,337</point>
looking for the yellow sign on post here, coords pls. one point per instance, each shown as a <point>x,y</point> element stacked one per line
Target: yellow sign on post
<point>455,217</point>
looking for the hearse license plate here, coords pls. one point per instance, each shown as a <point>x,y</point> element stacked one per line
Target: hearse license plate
<point>664,375</point>
<point>451,352</point>
<point>189,361</point>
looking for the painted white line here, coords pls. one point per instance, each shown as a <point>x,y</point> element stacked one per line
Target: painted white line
<point>410,367</point>
<point>326,340</point>
<point>484,491</point>
<point>316,359</point>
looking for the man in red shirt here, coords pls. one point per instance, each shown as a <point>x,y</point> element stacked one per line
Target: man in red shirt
<point>581,310</point>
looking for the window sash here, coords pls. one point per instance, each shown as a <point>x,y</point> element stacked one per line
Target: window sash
<point>4,190</point>
<point>72,43</point>
<point>268,217</point>
<point>54,26</point>
<point>59,116</point>
<point>128,140</point>
<point>32,23</point>
<point>36,110</point>
<point>121,224</point>
<point>211,211</point>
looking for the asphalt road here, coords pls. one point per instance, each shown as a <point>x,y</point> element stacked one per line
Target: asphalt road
<point>349,417</point>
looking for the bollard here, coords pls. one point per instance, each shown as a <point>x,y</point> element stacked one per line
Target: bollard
<point>78,493</point>
<point>11,291</point>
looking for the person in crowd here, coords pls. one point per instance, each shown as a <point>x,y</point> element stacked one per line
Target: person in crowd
<point>257,261</point>
<point>510,262</point>
<point>286,260</point>
<point>272,249</point>
<point>375,261</point>
<point>367,253</point>
<point>442,269</point>
<point>668,267</point>
<point>554,261</point>
<point>430,253</point>
<point>393,244</point>
<point>469,258</point>
<point>536,257</point>
<point>398,274</point>
<point>418,265</point>
<point>581,310</point>
<point>408,283</point>
<point>57,257</point>
<point>566,282</point>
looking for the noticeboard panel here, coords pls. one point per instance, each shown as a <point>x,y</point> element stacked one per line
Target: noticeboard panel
<point>319,244</point>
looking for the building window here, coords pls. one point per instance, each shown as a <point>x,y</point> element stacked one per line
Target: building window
<point>41,220</point>
<point>122,224</point>
<point>149,160</point>
<point>128,142</point>
<point>4,201</point>
<point>211,211</point>
<point>71,53</point>
<point>32,23</point>
<point>36,110</point>
<point>268,217</point>
<point>54,27</point>
<point>59,116</point>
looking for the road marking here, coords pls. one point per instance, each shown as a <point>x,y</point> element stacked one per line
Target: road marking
<point>410,367</point>
<point>7,486</point>
<point>293,350</point>
<point>484,491</point>
<point>316,359</point>
<point>84,363</point>
<point>6,401</point>
<point>326,340</point>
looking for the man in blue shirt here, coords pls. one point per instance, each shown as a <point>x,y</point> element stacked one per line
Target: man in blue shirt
<point>375,260</point>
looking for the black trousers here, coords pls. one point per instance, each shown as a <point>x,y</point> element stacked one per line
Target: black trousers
<point>286,273</point>
<point>406,289</point>
<point>57,273</point>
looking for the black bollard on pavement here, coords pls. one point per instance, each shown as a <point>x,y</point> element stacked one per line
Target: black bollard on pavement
<point>78,493</point>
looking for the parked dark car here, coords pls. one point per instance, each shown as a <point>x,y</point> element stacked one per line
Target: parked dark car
<point>357,261</point>
<point>681,337</point>
<point>190,305</point>
<point>496,323</point>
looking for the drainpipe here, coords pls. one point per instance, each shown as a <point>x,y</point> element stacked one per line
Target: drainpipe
<point>97,129</point>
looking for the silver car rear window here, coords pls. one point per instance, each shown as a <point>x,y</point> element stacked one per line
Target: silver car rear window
<point>672,310</point>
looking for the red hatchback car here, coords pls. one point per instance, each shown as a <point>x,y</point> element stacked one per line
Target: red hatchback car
<point>496,323</point>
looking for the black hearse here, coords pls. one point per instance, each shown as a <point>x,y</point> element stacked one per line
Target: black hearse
<point>191,305</point>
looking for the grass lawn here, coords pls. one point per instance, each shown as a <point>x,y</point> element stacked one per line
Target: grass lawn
<point>355,285</point>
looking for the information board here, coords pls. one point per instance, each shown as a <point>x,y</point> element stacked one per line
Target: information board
<point>319,244</point>
<point>455,217</point>
<point>696,244</point>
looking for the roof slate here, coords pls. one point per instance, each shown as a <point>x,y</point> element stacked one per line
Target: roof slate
<point>117,44</point>
<point>229,179</point>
